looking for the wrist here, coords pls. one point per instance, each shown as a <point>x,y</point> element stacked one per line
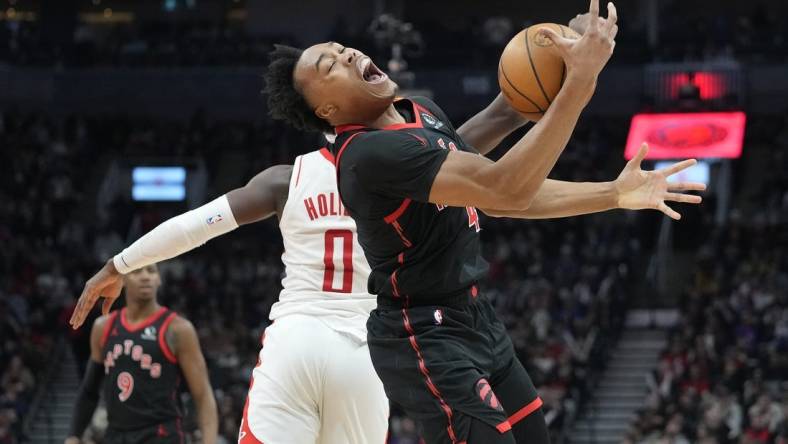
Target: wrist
<point>111,268</point>
<point>580,79</point>
<point>503,111</point>
<point>614,194</point>
<point>579,87</point>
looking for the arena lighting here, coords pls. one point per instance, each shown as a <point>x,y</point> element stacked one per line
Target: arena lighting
<point>710,84</point>
<point>158,183</point>
<point>700,172</point>
<point>683,135</point>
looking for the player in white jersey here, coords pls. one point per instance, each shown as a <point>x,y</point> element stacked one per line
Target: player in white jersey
<point>314,381</point>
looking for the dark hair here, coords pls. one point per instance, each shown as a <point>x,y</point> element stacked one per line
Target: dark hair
<point>285,102</point>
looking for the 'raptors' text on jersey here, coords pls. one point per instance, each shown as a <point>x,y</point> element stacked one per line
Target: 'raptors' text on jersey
<point>142,376</point>
<point>325,269</point>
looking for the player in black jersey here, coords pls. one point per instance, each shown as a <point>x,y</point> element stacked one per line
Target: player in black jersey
<point>412,183</point>
<point>137,357</point>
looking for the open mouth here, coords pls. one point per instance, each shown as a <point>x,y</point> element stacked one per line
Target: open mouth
<point>369,72</point>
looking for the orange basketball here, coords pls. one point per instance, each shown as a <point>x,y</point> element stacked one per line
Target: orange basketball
<point>531,71</point>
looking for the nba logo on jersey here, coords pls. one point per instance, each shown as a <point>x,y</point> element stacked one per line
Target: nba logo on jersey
<point>438,317</point>
<point>149,333</point>
<point>432,121</point>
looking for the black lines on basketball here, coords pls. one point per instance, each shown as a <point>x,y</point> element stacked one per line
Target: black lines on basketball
<point>533,67</point>
<point>563,68</point>
<point>520,93</point>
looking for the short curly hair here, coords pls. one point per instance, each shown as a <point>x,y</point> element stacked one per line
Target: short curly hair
<point>285,102</point>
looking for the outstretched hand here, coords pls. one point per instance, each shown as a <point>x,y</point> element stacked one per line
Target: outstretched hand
<point>638,189</point>
<point>107,284</point>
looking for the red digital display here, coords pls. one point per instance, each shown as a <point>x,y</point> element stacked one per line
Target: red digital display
<point>710,85</point>
<point>679,136</point>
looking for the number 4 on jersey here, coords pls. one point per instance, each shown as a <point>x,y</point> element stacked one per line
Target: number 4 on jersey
<point>473,218</point>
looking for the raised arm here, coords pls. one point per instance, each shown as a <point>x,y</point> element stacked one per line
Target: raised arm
<point>485,130</point>
<point>88,395</point>
<point>261,198</point>
<point>512,182</point>
<point>183,341</point>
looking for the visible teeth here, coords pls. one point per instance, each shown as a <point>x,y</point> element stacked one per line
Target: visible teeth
<point>364,65</point>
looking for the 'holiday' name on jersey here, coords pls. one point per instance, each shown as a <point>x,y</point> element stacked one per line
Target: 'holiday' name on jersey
<point>323,205</point>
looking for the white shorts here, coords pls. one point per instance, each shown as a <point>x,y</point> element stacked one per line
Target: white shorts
<point>313,385</point>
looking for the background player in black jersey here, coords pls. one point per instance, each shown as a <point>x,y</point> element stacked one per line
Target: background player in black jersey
<point>412,183</point>
<point>137,357</point>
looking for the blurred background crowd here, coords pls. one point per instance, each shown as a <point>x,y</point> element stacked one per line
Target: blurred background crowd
<point>758,35</point>
<point>721,379</point>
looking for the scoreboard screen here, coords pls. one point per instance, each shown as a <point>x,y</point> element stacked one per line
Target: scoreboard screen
<point>682,135</point>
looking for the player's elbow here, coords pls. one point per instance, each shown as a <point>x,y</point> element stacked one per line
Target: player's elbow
<point>205,400</point>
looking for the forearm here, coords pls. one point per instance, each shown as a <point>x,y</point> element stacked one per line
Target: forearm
<point>520,173</point>
<point>490,126</point>
<point>87,399</point>
<point>178,235</point>
<point>557,198</point>
<point>208,418</point>
<point>83,415</point>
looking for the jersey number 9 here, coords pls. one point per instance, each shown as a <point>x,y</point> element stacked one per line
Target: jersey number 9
<point>126,386</point>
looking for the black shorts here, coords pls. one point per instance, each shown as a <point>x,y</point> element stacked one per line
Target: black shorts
<point>165,433</point>
<point>448,366</point>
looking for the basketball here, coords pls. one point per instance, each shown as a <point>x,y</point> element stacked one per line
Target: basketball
<point>531,71</point>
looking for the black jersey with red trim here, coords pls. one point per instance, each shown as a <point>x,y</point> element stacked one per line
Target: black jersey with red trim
<point>416,249</point>
<point>142,377</point>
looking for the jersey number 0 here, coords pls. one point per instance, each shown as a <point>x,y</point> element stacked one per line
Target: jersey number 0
<point>345,238</point>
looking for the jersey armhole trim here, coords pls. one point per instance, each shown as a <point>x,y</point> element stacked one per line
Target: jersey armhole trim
<point>336,164</point>
<point>163,341</point>
<point>108,328</point>
<point>344,146</point>
<point>327,154</point>
<point>298,174</point>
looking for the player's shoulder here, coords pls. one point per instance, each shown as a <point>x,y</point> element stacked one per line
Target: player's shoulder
<point>103,321</point>
<point>272,178</point>
<point>428,104</point>
<point>376,137</point>
<point>180,324</point>
<point>320,158</point>
<point>100,328</point>
<point>278,173</point>
<point>425,102</point>
<point>371,146</point>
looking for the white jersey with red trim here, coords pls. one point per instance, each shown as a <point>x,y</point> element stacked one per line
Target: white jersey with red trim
<point>325,269</point>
